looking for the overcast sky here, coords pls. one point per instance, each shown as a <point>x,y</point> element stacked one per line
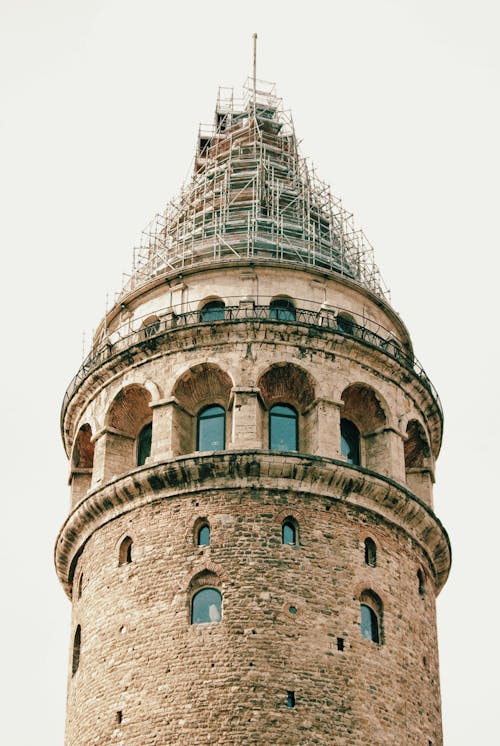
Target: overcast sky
<point>397,104</point>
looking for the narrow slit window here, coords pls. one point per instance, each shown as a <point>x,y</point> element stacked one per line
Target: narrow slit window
<point>125,551</point>
<point>290,699</point>
<point>76,650</point>
<point>421,583</point>
<point>370,553</point>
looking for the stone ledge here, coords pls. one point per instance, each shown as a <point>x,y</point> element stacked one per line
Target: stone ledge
<point>292,472</point>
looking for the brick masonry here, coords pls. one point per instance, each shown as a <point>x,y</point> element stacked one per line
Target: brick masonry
<point>145,674</point>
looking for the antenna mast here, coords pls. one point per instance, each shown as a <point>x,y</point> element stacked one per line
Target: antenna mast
<point>254,37</point>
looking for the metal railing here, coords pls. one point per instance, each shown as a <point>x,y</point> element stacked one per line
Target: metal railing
<point>321,318</point>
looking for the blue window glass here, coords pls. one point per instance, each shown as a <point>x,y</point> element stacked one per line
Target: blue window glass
<point>211,429</point>
<point>289,533</point>
<point>204,536</point>
<point>282,309</point>
<point>206,606</point>
<point>144,444</point>
<point>349,442</point>
<point>369,623</point>
<point>283,428</point>
<point>212,311</point>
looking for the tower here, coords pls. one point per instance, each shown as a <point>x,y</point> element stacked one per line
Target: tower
<point>251,551</point>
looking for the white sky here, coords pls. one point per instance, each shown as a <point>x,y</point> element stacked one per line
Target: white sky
<point>397,103</point>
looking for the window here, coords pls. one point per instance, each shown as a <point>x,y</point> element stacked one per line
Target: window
<point>421,583</point>
<point>349,442</point>
<point>290,699</point>
<point>206,606</point>
<point>371,616</point>
<point>283,428</point>
<point>144,444</point>
<point>204,535</point>
<point>212,311</point>
<point>125,551</point>
<point>345,324</point>
<point>282,309</point>
<point>151,326</point>
<point>80,585</point>
<point>211,429</point>
<point>289,532</point>
<point>369,623</point>
<point>76,650</point>
<point>370,552</point>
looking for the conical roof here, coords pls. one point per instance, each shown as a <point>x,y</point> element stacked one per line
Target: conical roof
<point>253,196</point>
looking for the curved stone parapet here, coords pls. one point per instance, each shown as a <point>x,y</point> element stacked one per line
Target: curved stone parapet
<point>300,474</point>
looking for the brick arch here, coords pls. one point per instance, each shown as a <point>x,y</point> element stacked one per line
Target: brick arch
<point>365,406</point>
<point>287,383</point>
<point>82,463</point>
<point>205,383</point>
<point>209,299</point>
<point>82,455</point>
<point>204,575</point>
<point>416,445</point>
<point>130,411</point>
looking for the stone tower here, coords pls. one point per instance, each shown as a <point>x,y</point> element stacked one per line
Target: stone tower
<point>251,551</point>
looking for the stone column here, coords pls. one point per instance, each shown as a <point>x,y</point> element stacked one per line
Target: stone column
<point>384,452</point>
<point>247,418</point>
<point>114,454</point>
<point>321,428</point>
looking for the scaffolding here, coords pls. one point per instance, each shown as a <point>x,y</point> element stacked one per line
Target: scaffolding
<point>253,196</point>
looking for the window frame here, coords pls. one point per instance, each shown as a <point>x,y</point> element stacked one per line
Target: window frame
<point>282,309</point>
<point>208,312</point>
<point>290,522</point>
<point>200,416</point>
<point>148,427</point>
<point>196,594</point>
<point>344,438</point>
<point>283,416</point>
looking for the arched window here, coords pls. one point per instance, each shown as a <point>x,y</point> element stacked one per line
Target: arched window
<point>349,442</point>
<point>371,616</point>
<point>151,326</point>
<point>204,535</point>
<point>345,323</point>
<point>144,444</point>
<point>283,428</point>
<point>76,650</point>
<point>282,309</point>
<point>369,623</point>
<point>289,531</point>
<point>370,552</point>
<point>125,551</point>
<point>211,429</point>
<point>206,606</point>
<point>212,311</point>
